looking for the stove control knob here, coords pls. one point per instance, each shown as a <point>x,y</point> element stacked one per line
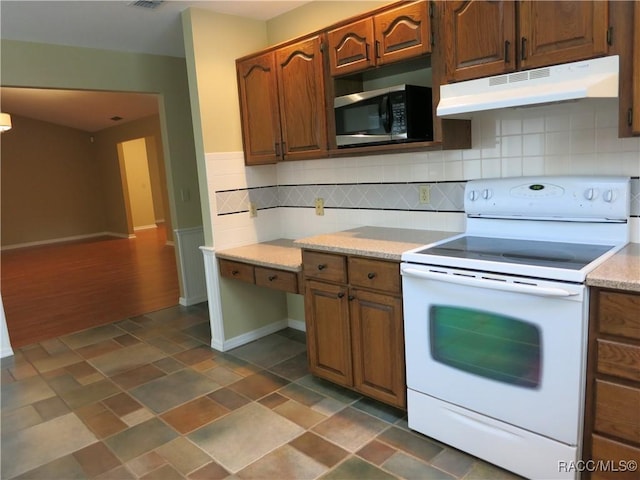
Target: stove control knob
<point>473,195</point>
<point>487,194</point>
<point>609,196</point>
<point>590,194</point>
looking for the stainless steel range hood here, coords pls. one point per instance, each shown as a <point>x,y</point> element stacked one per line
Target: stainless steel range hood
<point>596,78</point>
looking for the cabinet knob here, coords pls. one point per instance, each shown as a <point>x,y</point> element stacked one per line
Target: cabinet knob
<point>352,297</point>
<point>371,275</point>
<point>321,266</point>
<point>341,295</point>
<point>271,278</point>
<point>234,272</point>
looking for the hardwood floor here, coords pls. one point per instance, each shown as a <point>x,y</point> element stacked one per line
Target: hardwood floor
<point>54,290</point>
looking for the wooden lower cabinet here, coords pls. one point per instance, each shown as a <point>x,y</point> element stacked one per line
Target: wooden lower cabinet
<point>612,413</point>
<point>355,335</point>
<point>377,339</point>
<point>328,340</point>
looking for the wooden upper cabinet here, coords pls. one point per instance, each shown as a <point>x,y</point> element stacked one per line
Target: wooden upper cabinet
<point>402,33</point>
<point>634,115</point>
<point>478,38</point>
<point>398,34</point>
<point>350,47</point>
<point>481,38</point>
<point>259,109</point>
<point>302,99</point>
<point>562,31</point>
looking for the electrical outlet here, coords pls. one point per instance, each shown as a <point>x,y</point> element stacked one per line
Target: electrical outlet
<point>425,194</point>
<point>253,210</point>
<point>320,206</point>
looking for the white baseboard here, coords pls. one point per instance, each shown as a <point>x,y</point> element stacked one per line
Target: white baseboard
<point>186,302</point>
<point>72,238</point>
<point>297,325</point>
<point>145,227</point>
<point>254,335</point>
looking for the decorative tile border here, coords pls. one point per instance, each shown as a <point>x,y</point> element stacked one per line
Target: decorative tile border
<point>444,197</point>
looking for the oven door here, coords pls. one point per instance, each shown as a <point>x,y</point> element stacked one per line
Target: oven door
<point>506,348</point>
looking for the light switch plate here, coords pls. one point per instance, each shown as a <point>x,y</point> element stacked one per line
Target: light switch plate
<point>253,210</point>
<point>320,206</point>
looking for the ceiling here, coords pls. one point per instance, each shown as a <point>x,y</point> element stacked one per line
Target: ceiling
<point>111,25</point>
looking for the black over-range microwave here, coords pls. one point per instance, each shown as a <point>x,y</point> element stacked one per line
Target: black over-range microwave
<point>388,115</point>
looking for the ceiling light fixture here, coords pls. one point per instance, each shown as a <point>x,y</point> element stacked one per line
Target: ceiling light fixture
<point>5,122</point>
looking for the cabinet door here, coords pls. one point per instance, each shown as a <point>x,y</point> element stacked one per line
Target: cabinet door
<point>378,346</point>
<point>478,38</point>
<point>302,100</point>
<point>328,333</point>
<point>402,33</point>
<point>561,31</point>
<point>350,47</point>
<point>635,111</point>
<point>259,109</point>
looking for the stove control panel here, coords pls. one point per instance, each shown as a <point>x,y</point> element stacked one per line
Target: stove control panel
<point>590,198</point>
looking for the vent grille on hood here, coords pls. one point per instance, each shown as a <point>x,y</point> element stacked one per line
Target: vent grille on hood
<point>147,3</point>
<point>596,78</point>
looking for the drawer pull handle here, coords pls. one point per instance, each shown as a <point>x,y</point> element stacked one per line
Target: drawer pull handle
<point>234,272</point>
<point>341,295</point>
<point>322,266</point>
<point>371,275</point>
<point>271,278</point>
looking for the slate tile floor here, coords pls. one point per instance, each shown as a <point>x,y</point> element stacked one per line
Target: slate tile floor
<point>148,398</point>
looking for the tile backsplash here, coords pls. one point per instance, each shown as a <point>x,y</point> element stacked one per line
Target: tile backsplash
<point>566,139</point>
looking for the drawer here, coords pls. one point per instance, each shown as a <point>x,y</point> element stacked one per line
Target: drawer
<point>619,314</point>
<point>237,270</point>
<point>617,411</point>
<point>619,454</point>
<point>378,274</point>
<point>277,279</point>
<point>619,359</point>
<point>324,266</point>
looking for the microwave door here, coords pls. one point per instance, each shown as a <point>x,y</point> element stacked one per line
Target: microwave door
<point>364,121</point>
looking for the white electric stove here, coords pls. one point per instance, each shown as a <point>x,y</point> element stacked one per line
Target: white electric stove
<point>496,318</point>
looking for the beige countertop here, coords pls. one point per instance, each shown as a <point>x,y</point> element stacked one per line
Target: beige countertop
<point>280,253</point>
<point>621,271</point>
<point>379,242</point>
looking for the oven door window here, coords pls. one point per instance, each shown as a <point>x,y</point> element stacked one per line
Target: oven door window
<point>493,346</point>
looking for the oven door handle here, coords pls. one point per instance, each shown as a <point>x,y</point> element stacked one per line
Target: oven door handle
<point>487,283</point>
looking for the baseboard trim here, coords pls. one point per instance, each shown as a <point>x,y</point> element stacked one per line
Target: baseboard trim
<point>297,325</point>
<point>245,338</point>
<point>187,302</point>
<point>145,227</point>
<point>65,239</point>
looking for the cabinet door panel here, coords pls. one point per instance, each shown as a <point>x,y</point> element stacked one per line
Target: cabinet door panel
<point>618,313</point>
<point>302,99</point>
<point>607,450</point>
<point>378,346</point>
<point>259,109</point>
<point>561,31</point>
<point>350,47</point>
<point>402,33</point>
<point>478,38</point>
<point>617,411</point>
<point>328,333</point>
